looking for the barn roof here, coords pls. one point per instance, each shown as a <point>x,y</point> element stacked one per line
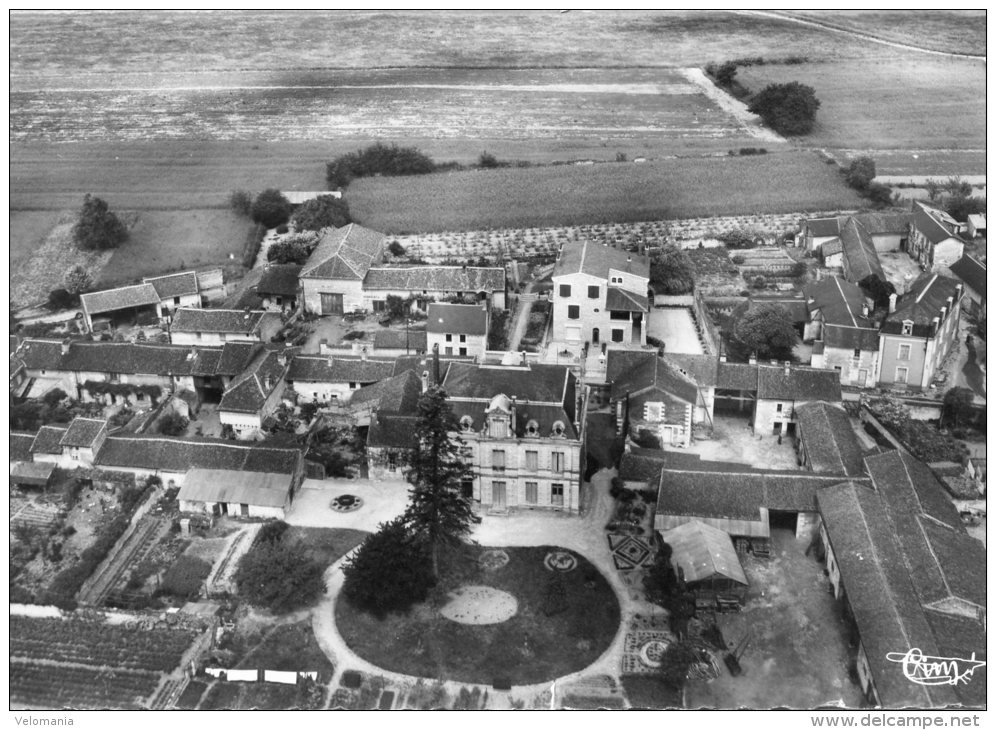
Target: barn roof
<point>621,300</point>
<point>859,250</point>
<point>637,371</point>
<point>83,432</point>
<point>248,391</point>
<point>838,301</point>
<point>824,227</point>
<point>830,441</point>
<point>48,440</point>
<point>397,394</point>
<point>414,340</point>
<point>126,297</point>
<point>334,369</point>
<point>30,472</point>
<point>189,319</point>
<point>799,383</point>
<point>344,253</point>
<point>19,446</point>
<point>174,285</point>
<point>172,454</point>
<point>934,224</point>
<point>258,489</point>
<point>971,271</point>
<point>703,551</point>
<point>279,280</point>
<point>535,383</point>
<point>435,278</point>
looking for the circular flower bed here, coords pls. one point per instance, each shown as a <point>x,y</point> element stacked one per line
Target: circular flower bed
<point>560,561</point>
<point>492,560</point>
<point>480,605</point>
<point>651,653</point>
<point>346,503</point>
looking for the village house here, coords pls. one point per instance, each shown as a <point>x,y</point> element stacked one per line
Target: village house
<point>332,379</point>
<point>934,241</point>
<point>277,287</point>
<point>344,274</point>
<point>69,447</point>
<point>650,393</point>
<point>176,290</point>
<point>144,303</point>
<point>844,337</point>
<point>255,393</point>
<point>218,326</point>
<point>852,243</point>
<point>457,329</point>
<point>973,275</point>
<point>600,298</point>
<point>134,372</point>
<point>918,332</point>
<point>397,395</point>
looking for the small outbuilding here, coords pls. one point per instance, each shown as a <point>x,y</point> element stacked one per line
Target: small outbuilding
<point>708,561</point>
<point>236,493</point>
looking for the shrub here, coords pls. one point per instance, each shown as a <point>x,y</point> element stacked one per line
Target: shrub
<point>487,161</point>
<point>77,279</point>
<point>97,228</point>
<point>354,335</point>
<point>272,531</point>
<point>378,159</point>
<point>282,229</point>
<point>270,208</point>
<point>860,173</point>
<point>173,424</point>
<point>325,211</point>
<point>241,202</point>
<point>185,577</point>
<point>789,109</point>
<point>61,299</point>
<point>396,249</point>
<point>880,195</point>
<point>254,239</point>
<point>293,250</point>
<point>737,238</point>
<point>279,576</point>
<point>738,259</point>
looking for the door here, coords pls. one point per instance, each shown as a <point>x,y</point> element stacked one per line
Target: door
<point>498,499</point>
<point>594,336</point>
<point>332,304</point>
<point>244,508</point>
<point>862,378</point>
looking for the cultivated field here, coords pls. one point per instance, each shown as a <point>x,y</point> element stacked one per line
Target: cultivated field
<point>28,231</point>
<point>584,194</point>
<point>923,105</point>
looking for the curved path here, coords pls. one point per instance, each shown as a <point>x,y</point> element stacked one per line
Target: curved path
<point>858,34</point>
<point>584,534</point>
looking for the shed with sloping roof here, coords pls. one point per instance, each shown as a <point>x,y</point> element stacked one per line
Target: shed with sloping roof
<point>236,493</point>
<point>707,562</point>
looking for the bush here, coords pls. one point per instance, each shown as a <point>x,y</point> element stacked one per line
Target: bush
<point>279,576</point>
<point>738,259</point>
<point>97,228</point>
<point>185,577</point>
<point>354,335</point>
<point>497,330</point>
<point>272,531</point>
<point>880,195</point>
<point>173,424</point>
<point>270,208</point>
<point>325,211</point>
<point>241,202</point>
<point>77,279</point>
<point>737,238</point>
<point>488,161</point>
<point>61,299</point>
<point>396,249</point>
<point>292,250</point>
<point>378,159</point>
<point>254,239</point>
<point>789,109</point>
<point>282,229</point>
<point>860,173</point>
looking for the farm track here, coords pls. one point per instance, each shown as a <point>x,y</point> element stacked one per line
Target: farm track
<point>148,532</point>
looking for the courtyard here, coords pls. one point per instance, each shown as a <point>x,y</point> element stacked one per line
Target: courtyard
<point>675,327</point>
<point>733,440</point>
<point>798,654</point>
<point>900,270</point>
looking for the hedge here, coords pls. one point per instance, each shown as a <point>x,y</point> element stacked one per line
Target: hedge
<point>254,239</point>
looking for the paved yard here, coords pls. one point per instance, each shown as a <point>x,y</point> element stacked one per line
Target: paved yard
<point>382,502</point>
<point>900,269</point>
<point>733,441</point>
<point>798,656</point>
<point>675,327</point>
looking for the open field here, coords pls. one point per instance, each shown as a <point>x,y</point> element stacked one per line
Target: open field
<point>951,31</point>
<point>922,104</point>
<point>28,231</point>
<point>162,241</point>
<point>579,194</point>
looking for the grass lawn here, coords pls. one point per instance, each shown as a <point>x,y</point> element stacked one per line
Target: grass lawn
<point>649,693</point>
<point>291,648</point>
<point>924,103</point>
<point>28,230</point>
<point>162,241</point>
<point>326,544</point>
<point>251,696</point>
<point>573,195</point>
<point>530,647</point>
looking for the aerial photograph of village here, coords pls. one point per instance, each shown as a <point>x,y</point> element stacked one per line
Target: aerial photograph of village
<point>498,360</point>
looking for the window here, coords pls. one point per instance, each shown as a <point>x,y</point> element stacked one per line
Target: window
<point>557,462</point>
<point>278,301</point>
<point>449,351</point>
<point>392,462</point>
<point>778,408</point>
<point>857,353</point>
<point>565,290</point>
<point>653,411</point>
<point>498,460</point>
<point>352,386</point>
<point>573,311</point>
<point>907,327</point>
<point>176,301</point>
<point>463,338</point>
<point>557,494</point>
<point>466,423</point>
<point>463,351</point>
<point>902,375</point>
<point>532,428</point>
<point>532,460</point>
<point>904,352</point>
<point>467,488</point>
<point>532,492</point>
<point>314,395</point>
<point>618,335</point>
<point>449,338</point>
<point>198,336</point>
<point>616,280</point>
<point>558,428</point>
<point>379,305</point>
<point>593,292</point>
<point>619,315</point>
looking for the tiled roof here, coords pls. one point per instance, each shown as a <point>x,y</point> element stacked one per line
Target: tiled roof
<point>20,446</point>
<point>545,415</point>
<point>398,394</point>
<point>830,441</point>
<point>934,224</point>
<point>798,384</point>
<point>884,223</point>
<point>596,260</point>
<point>435,278</point>
<point>648,371</point>
<point>921,304</point>
<point>187,319</point>
<point>958,636</point>
<point>702,369</point>
<point>850,338</point>
<point>879,592</point>
<point>641,466</point>
<point>468,319</point>
<point>620,300</point>
<point>137,358</point>
<point>910,486</point>
<point>859,250</point>
<point>260,489</point>
<point>961,560</point>
<point>824,227</point>
<point>279,280</point>
<point>736,376</point>
<point>179,455</point>
<point>174,285</point>
<point>831,247</point>
<point>392,432</point>
<point>534,383</point>
<point>703,552</point>
<point>972,272</point>
<point>321,369</point>
<point>247,393</point>
<point>838,301</point>
<point>48,440</point>
<point>344,253</point>
<point>414,340</point>
<point>139,295</point>
<point>83,432</point>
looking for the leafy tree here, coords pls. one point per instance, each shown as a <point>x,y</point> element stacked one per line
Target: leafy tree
<point>325,211</point>
<point>397,307</point>
<point>672,270</point>
<point>789,109</point>
<point>292,249</point>
<point>860,173</point>
<point>487,161</point>
<point>957,404</point>
<point>439,512</point>
<point>676,661</point>
<point>877,290</point>
<point>726,73</point>
<point>767,330</point>
<point>53,397</point>
<point>957,187</point>
<point>960,207</point>
<point>77,279</point>
<point>933,189</point>
<point>396,249</point>
<point>241,202</point>
<point>378,159</point>
<point>270,208</point>
<point>391,571</point>
<point>97,228</point>
<point>738,238</point>
<point>173,424</point>
<point>880,195</point>
<point>279,576</point>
